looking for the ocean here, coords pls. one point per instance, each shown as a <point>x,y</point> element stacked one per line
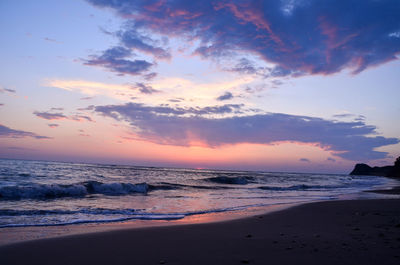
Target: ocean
<point>40,193</point>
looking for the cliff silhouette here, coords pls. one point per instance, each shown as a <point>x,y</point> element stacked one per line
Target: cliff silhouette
<point>386,171</point>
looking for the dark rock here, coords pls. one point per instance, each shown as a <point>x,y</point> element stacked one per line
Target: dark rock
<point>364,169</point>
<point>361,169</point>
<point>387,171</point>
<point>395,171</point>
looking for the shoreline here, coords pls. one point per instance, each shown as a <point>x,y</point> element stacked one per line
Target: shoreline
<point>15,235</point>
<point>328,232</point>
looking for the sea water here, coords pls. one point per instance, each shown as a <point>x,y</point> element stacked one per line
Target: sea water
<point>40,193</point>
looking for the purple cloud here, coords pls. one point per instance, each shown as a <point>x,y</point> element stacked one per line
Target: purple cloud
<point>79,117</point>
<point>2,90</point>
<point>114,59</point>
<point>304,160</point>
<point>245,66</point>
<point>136,41</point>
<point>50,116</point>
<point>149,76</point>
<point>60,116</point>
<point>90,107</point>
<point>120,112</point>
<point>11,133</point>
<point>345,115</point>
<point>225,96</point>
<point>87,98</point>
<point>300,37</point>
<point>51,40</point>
<point>176,100</point>
<point>57,109</point>
<point>330,159</point>
<point>176,126</point>
<point>18,148</point>
<point>53,125</point>
<point>82,133</point>
<point>145,89</point>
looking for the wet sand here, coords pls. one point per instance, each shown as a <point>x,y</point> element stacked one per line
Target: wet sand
<point>333,232</point>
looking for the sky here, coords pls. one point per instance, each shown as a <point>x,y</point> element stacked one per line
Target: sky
<point>272,85</point>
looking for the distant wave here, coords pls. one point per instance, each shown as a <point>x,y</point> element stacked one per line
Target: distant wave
<point>298,187</point>
<point>48,191</point>
<point>24,174</point>
<point>231,180</point>
<point>175,186</point>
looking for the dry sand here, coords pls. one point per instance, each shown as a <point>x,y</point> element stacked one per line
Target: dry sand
<point>334,232</point>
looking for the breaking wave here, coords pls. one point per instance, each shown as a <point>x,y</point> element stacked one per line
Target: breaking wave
<point>51,191</point>
<point>48,191</point>
<point>108,215</point>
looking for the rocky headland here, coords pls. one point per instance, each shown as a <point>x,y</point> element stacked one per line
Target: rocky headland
<point>387,171</point>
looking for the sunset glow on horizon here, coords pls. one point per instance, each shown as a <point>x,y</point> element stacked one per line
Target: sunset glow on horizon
<point>295,86</point>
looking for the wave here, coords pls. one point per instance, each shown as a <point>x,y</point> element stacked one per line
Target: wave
<point>95,211</point>
<point>175,186</point>
<point>111,220</point>
<point>49,191</point>
<point>298,187</point>
<point>231,180</point>
<point>123,215</point>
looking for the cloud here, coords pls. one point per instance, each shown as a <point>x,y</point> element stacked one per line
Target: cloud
<point>246,66</point>
<point>18,148</point>
<point>51,40</point>
<point>11,133</point>
<point>82,133</point>
<point>330,159</point>
<point>53,125</point>
<point>50,116</point>
<point>300,37</point>
<point>7,90</point>
<point>86,98</point>
<point>170,87</point>
<point>176,100</point>
<point>60,116</point>
<point>304,160</point>
<point>114,59</point>
<point>132,39</point>
<point>182,126</point>
<point>79,117</point>
<point>1,104</point>
<point>350,115</point>
<point>344,115</point>
<point>149,76</point>
<point>146,89</point>
<point>225,96</point>
<point>90,107</point>
<point>92,88</point>
<point>121,112</point>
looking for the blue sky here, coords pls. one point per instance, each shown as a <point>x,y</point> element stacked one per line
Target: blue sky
<point>265,85</point>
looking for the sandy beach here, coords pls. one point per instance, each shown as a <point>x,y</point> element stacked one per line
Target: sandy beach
<point>333,232</point>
